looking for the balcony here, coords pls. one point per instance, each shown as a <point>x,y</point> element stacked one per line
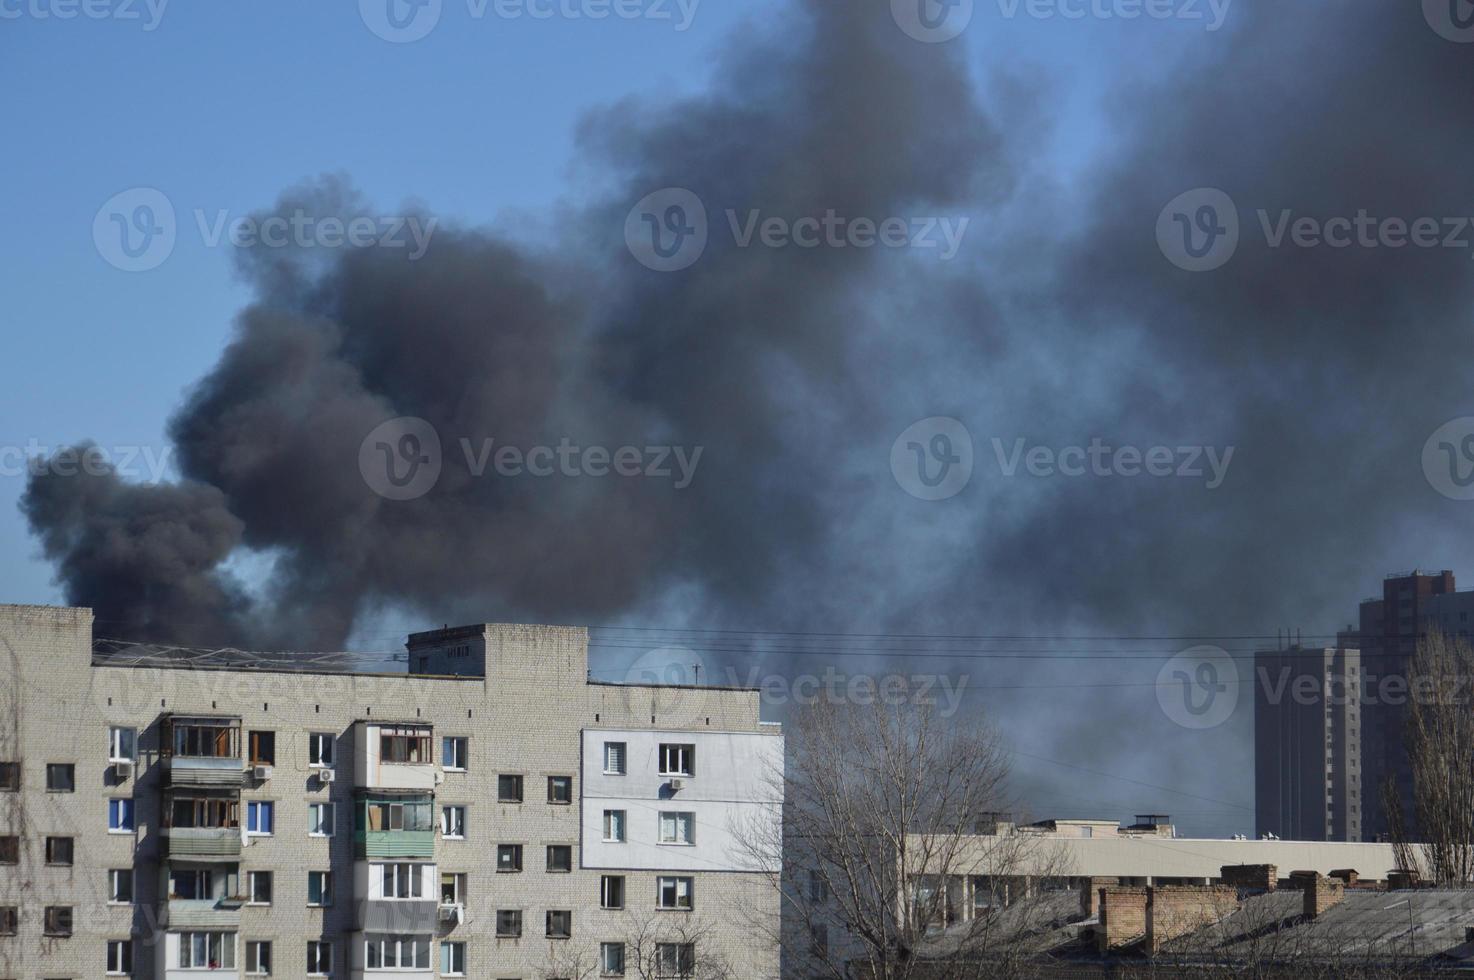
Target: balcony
<point>202,843</point>
<point>204,771</point>
<point>397,916</point>
<point>393,756</point>
<point>210,914</point>
<point>371,844</point>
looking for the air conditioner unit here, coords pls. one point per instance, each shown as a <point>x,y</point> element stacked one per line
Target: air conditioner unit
<point>676,784</point>
<point>439,777</point>
<point>326,775</point>
<point>123,769</point>
<point>261,772</point>
<point>452,914</point>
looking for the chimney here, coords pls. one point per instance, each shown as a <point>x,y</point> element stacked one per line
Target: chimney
<point>1321,893</point>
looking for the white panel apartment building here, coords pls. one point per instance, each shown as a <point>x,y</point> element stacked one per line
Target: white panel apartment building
<point>491,814</point>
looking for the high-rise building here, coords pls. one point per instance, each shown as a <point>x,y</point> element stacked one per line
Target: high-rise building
<point>1390,628</point>
<point>492,813</point>
<point>1308,780</point>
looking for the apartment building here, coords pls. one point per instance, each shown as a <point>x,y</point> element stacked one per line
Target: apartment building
<point>1309,783</point>
<point>492,813</point>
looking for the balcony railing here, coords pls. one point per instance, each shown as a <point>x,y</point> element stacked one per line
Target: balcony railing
<point>207,913</point>
<point>205,771</point>
<point>394,844</point>
<point>202,842</point>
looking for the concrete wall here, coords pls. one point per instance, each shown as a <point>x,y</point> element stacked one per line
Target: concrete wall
<point>525,717</point>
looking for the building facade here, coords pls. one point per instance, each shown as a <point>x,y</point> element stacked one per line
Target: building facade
<point>1309,782</point>
<point>492,813</point>
<point>1389,628</point>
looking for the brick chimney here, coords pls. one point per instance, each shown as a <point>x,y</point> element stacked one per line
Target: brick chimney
<point>1320,893</point>
<point>1261,877</point>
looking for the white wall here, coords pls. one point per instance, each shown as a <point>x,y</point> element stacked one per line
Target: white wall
<point>368,771</point>
<point>732,787</point>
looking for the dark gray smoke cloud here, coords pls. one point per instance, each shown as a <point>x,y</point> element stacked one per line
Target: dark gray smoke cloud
<point>1326,369</point>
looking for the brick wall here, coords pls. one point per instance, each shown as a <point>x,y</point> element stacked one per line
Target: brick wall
<point>1090,894</point>
<point>1122,917</point>
<point>1263,877</point>
<point>1178,910</point>
<point>1320,894</point>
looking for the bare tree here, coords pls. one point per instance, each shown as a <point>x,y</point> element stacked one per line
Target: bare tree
<point>878,861</point>
<point>1440,744</point>
<point>657,945</point>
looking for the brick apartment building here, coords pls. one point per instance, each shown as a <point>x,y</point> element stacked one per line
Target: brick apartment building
<point>492,813</point>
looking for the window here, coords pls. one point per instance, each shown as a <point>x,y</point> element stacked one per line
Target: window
<point>614,826</point>
<point>675,959</point>
<point>408,746</point>
<point>560,789</point>
<point>258,887</point>
<point>508,923</point>
<point>191,884</point>
<point>320,819</point>
<point>120,816</point>
<point>9,849</point>
<point>398,816</point>
<point>611,959</point>
<point>120,886</point>
<point>677,760</point>
<point>396,953</point>
<point>119,957</point>
<point>453,753</point>
<point>320,749</point>
<point>10,777</point>
<point>611,892</point>
<point>453,959</point>
<point>560,858</point>
<point>204,740</point>
<point>509,789</point>
<point>122,744</point>
<point>263,748</point>
<point>402,880</point>
<point>677,828</point>
<point>61,777</point>
<point>319,888</point>
<point>818,888</point>
<point>453,822</point>
<point>59,851</point>
<point>260,817</point>
<point>319,958</point>
<point>508,857</point>
<point>560,923</point>
<point>258,958</point>
<point>9,920</point>
<point>201,811</point>
<point>673,893</point>
<point>207,951</point>
<point>57,920</point>
<point>614,758</point>
<point>819,937</point>
<point>452,888</point>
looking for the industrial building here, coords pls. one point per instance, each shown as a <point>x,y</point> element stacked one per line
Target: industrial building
<point>183,814</point>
